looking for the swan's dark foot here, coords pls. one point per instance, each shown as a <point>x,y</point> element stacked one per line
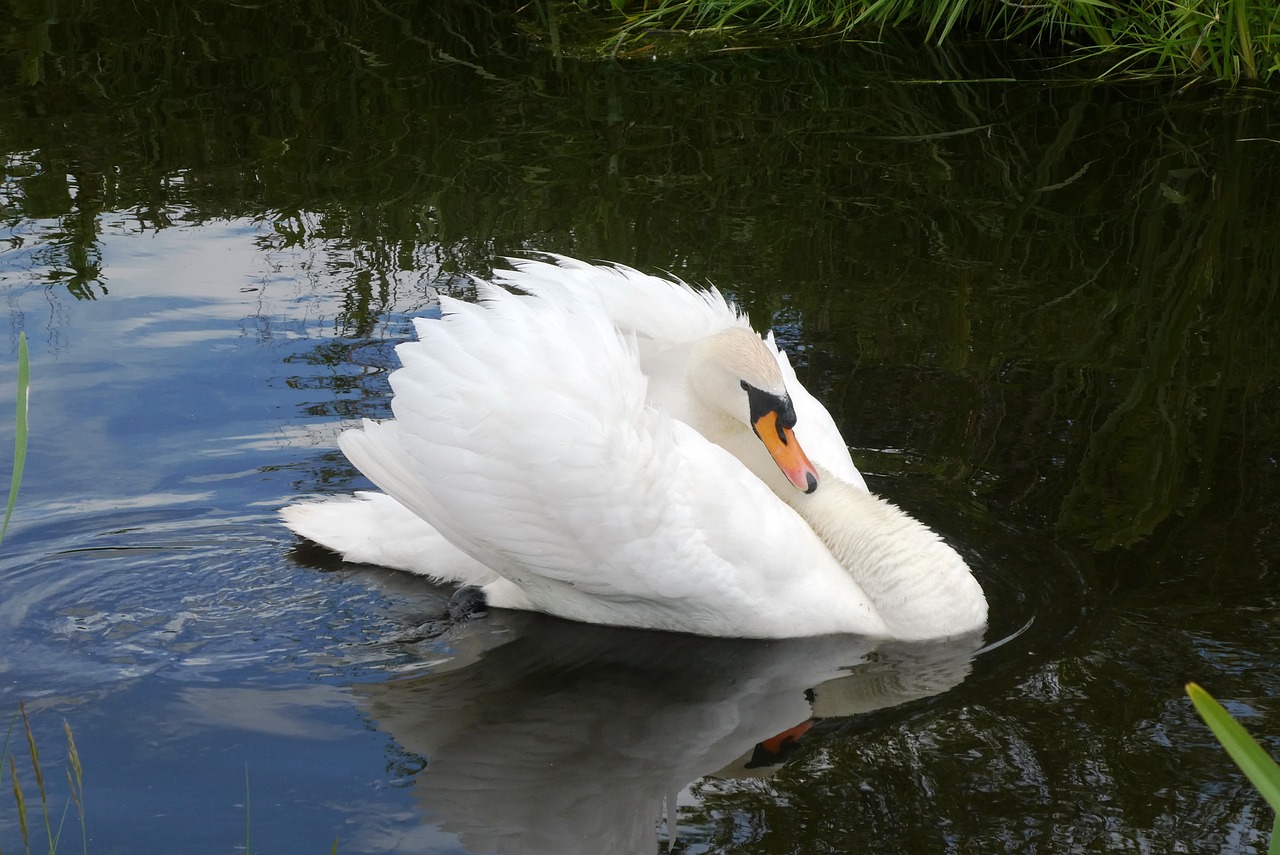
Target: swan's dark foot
<point>468,602</point>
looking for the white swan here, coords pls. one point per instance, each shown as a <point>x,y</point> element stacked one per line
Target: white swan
<point>621,449</point>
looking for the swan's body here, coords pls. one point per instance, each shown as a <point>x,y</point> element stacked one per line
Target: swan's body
<point>585,450</point>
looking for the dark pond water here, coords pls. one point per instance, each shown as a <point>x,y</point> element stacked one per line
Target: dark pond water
<point>1044,314</point>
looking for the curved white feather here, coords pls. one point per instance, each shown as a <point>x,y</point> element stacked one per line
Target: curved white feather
<point>668,317</point>
<point>666,312</point>
<point>373,528</point>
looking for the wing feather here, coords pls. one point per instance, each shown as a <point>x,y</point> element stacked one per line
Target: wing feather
<point>668,317</point>
<point>594,492</point>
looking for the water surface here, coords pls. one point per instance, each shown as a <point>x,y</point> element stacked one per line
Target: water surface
<point>1041,312</point>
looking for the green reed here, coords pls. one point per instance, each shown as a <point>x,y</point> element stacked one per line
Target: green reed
<point>20,430</point>
<point>1257,765</point>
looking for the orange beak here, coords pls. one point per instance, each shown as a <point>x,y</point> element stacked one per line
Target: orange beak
<point>785,451</point>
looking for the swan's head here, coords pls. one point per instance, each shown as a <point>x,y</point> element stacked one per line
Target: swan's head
<point>735,373</point>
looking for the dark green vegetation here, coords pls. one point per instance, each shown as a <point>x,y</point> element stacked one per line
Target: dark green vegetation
<point>1044,314</point>
<point>1231,41</point>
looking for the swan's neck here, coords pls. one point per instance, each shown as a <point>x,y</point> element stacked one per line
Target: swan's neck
<point>919,584</point>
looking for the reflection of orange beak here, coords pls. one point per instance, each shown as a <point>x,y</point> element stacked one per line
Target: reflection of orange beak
<point>785,451</point>
<point>774,750</point>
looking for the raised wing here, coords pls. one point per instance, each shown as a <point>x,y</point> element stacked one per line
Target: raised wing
<point>667,317</point>
<point>523,435</point>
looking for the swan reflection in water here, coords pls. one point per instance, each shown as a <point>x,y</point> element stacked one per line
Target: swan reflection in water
<point>544,736</point>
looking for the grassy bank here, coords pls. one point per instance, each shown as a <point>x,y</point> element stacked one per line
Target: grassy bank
<point>1229,40</point>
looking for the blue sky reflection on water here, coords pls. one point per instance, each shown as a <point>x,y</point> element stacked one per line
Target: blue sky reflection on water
<point>146,598</point>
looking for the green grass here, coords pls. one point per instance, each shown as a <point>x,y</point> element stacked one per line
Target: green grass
<point>1228,40</point>
<point>20,431</point>
<point>1257,765</point>
<point>75,782</point>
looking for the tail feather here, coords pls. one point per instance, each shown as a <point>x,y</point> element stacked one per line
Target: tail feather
<point>373,528</point>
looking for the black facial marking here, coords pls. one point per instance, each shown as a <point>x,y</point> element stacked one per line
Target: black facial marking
<point>765,402</point>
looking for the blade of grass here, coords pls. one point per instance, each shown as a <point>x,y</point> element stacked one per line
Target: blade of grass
<point>1257,765</point>
<point>1246,42</point>
<point>56,836</point>
<point>247,850</point>
<point>4,746</point>
<point>4,749</point>
<point>20,430</point>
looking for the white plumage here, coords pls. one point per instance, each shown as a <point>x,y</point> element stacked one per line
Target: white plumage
<point>586,448</point>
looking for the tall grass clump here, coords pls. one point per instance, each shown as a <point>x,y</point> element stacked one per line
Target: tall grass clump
<point>75,782</point>
<point>1228,40</point>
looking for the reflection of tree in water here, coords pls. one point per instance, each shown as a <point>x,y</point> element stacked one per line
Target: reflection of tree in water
<point>1073,279</point>
<point>64,246</point>
<point>1115,344</point>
